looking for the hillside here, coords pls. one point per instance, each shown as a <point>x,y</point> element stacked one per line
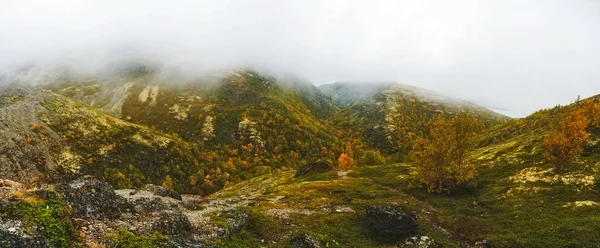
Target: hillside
<point>234,143</point>
<point>390,116</point>
<point>224,129</point>
<point>519,200</point>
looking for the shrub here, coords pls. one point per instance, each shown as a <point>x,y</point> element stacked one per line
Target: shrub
<point>442,162</point>
<point>564,144</point>
<point>371,157</point>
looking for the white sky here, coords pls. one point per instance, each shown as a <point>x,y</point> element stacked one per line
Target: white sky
<point>517,55</point>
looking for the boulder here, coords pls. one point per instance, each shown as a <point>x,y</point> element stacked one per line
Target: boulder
<point>149,205</point>
<point>314,167</point>
<point>91,198</point>
<point>162,191</point>
<point>305,241</point>
<point>13,233</point>
<point>172,223</point>
<point>390,223</point>
<point>238,222</point>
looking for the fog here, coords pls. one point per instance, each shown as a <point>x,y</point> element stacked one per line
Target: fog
<point>516,56</point>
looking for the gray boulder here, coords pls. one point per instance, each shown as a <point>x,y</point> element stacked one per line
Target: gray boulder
<point>13,234</point>
<point>91,198</point>
<point>238,222</point>
<point>305,241</point>
<point>162,191</point>
<point>172,223</point>
<point>390,223</point>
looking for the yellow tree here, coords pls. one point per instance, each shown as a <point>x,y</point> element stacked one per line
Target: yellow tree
<point>564,144</point>
<point>345,162</point>
<point>168,182</point>
<point>442,162</point>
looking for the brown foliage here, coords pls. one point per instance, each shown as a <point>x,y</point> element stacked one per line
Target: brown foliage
<point>442,162</point>
<point>564,144</point>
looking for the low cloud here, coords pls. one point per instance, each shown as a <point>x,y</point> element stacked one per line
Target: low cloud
<point>514,55</point>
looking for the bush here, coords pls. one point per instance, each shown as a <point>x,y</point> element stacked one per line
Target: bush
<point>442,162</point>
<point>371,157</point>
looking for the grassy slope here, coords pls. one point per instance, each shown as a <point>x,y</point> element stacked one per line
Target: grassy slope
<point>518,201</point>
<point>392,118</point>
<point>308,205</point>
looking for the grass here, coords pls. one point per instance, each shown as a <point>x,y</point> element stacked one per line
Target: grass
<point>499,210</point>
<point>126,239</point>
<point>50,219</point>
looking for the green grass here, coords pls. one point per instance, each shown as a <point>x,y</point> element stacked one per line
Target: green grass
<point>126,239</point>
<point>51,219</point>
<point>487,212</point>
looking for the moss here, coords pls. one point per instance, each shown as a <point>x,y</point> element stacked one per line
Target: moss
<point>51,219</point>
<point>126,239</point>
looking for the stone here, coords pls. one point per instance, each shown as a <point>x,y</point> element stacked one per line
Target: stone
<point>390,223</point>
<point>238,222</point>
<point>13,234</point>
<point>91,198</point>
<point>305,241</point>
<point>172,223</point>
<point>419,242</point>
<point>162,191</point>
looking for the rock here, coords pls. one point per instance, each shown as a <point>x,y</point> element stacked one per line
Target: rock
<point>172,223</point>
<point>145,204</point>
<point>314,167</point>
<point>13,234</point>
<point>419,242</point>
<point>93,199</point>
<point>238,222</point>
<point>162,191</point>
<point>305,241</point>
<point>390,223</point>
<point>10,183</point>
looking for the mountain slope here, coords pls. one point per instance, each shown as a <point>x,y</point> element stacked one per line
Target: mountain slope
<point>389,116</point>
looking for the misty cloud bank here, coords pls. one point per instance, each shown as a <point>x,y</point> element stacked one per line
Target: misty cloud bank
<point>515,55</point>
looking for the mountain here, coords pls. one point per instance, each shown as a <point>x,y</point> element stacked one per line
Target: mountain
<point>102,159</point>
<point>389,116</point>
<point>199,135</point>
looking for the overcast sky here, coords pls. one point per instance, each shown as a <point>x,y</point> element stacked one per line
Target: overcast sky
<point>516,55</point>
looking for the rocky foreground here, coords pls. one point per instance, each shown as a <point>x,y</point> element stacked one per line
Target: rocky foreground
<point>89,212</point>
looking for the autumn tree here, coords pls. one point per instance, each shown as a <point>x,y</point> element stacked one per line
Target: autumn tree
<point>168,182</point>
<point>564,144</point>
<point>442,162</point>
<point>345,161</point>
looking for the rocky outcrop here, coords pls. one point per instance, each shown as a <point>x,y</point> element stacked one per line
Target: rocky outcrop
<point>162,191</point>
<point>314,167</point>
<point>13,234</point>
<point>91,198</point>
<point>390,223</point>
<point>305,241</point>
<point>172,223</point>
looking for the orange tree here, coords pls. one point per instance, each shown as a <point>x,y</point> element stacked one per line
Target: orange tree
<point>442,162</point>
<point>345,161</point>
<point>564,144</point>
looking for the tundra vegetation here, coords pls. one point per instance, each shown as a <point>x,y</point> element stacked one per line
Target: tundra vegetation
<point>461,174</point>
